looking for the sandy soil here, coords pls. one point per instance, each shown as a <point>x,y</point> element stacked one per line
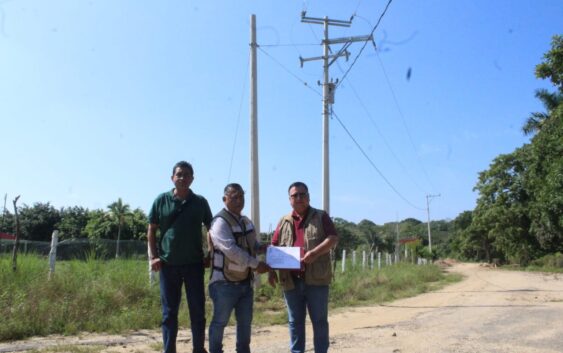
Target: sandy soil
<point>489,311</point>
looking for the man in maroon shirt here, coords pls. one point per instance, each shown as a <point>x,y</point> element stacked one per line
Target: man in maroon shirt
<point>306,289</point>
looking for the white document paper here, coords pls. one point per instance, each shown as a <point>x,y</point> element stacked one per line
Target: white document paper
<point>282,257</point>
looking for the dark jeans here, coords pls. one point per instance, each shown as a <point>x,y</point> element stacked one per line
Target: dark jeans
<point>313,299</point>
<point>227,296</point>
<point>171,280</point>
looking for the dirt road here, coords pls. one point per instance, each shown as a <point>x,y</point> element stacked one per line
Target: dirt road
<point>489,311</point>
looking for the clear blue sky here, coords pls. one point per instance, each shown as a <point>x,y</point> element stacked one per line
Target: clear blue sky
<point>98,100</point>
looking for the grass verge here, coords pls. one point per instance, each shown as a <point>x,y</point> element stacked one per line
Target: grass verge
<point>115,296</point>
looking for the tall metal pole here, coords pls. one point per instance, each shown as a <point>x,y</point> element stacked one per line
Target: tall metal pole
<point>254,179</point>
<point>326,176</point>
<point>428,197</point>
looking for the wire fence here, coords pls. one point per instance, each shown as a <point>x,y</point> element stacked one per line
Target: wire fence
<point>82,248</point>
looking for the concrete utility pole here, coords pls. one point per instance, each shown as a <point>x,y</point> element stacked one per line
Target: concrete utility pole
<point>254,180</point>
<point>428,199</point>
<point>398,243</point>
<point>329,86</point>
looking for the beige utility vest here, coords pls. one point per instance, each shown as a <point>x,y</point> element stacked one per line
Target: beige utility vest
<point>318,272</point>
<point>245,239</point>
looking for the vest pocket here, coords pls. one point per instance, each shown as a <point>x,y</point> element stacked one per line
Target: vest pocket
<point>320,269</point>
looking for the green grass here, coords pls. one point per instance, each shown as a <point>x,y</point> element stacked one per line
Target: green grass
<point>390,283</point>
<point>115,296</point>
<point>552,263</point>
<point>96,296</point>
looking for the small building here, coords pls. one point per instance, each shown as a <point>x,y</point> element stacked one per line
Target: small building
<point>7,236</point>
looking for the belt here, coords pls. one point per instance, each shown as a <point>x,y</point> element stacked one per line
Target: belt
<point>244,282</point>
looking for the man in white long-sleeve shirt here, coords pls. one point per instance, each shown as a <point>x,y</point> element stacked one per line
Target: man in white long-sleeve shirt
<point>234,247</point>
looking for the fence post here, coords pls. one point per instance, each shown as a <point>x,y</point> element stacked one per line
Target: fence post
<point>371,260</point>
<point>343,260</point>
<point>53,253</point>
<point>354,259</point>
<point>379,261</point>
<point>363,260</point>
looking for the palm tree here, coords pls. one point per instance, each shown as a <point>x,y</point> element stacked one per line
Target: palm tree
<point>537,120</point>
<point>118,211</point>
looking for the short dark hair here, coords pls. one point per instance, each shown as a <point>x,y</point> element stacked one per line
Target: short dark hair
<point>298,184</point>
<point>232,186</point>
<point>183,165</point>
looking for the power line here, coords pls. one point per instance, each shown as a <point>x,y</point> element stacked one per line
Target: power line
<point>363,47</point>
<point>374,166</point>
<point>289,72</point>
<point>238,122</point>
<point>403,120</point>
<point>357,7</point>
<point>383,137</point>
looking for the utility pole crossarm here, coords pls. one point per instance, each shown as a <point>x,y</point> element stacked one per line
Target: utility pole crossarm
<point>349,39</point>
<point>321,21</point>
<point>333,57</point>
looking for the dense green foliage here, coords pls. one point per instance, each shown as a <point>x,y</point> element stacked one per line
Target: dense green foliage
<point>37,222</point>
<point>115,295</point>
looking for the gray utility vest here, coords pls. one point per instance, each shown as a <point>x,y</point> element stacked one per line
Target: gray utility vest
<point>245,239</point>
<point>318,272</point>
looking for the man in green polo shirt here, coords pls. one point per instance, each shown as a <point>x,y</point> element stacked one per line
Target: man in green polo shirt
<point>178,254</point>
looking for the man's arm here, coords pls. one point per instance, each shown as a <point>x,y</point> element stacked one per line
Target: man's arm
<point>321,249</point>
<point>152,249</point>
<point>223,240</point>
<point>208,216</point>
<point>327,244</point>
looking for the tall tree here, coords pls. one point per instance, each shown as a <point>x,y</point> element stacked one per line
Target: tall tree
<point>501,216</point>
<point>347,235</point>
<point>545,176</point>
<point>551,101</point>
<point>370,234</point>
<point>118,211</point>
<point>38,221</point>
<point>73,222</point>
<point>552,66</point>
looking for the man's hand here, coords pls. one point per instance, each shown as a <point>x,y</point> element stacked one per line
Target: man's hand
<point>272,278</point>
<point>262,267</point>
<point>310,257</point>
<point>155,264</point>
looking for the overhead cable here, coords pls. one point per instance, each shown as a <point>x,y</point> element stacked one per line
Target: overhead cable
<point>238,120</point>
<point>403,120</point>
<point>363,46</point>
<point>289,72</point>
<point>374,166</point>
